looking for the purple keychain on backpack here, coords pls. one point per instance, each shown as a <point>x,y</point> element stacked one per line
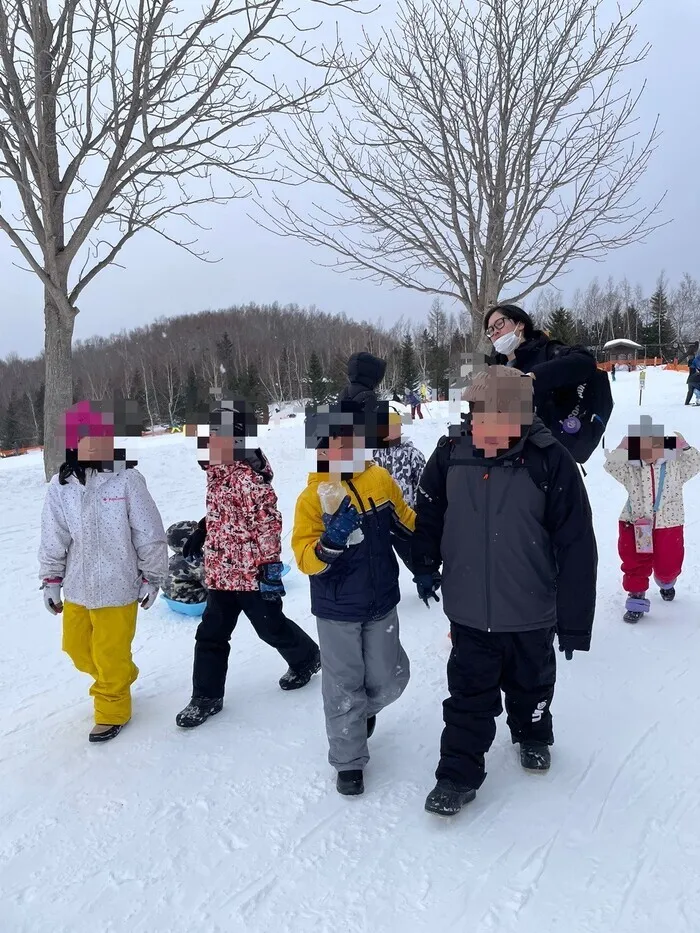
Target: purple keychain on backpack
<point>571,425</point>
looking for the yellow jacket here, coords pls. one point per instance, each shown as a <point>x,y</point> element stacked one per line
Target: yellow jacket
<point>363,582</point>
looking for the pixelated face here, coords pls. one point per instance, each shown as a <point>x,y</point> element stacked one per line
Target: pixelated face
<point>646,442</point>
<point>89,428</point>
<point>229,434</point>
<point>495,432</point>
<point>95,449</point>
<point>342,435</point>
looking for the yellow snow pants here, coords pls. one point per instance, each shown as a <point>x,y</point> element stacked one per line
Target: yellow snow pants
<point>98,642</point>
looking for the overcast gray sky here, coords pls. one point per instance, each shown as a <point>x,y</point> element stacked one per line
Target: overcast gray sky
<point>160,280</point>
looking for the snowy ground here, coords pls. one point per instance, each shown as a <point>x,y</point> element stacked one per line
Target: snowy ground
<point>237,828</point>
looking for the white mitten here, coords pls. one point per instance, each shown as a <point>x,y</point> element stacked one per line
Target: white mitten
<point>52,595</point>
<point>147,594</point>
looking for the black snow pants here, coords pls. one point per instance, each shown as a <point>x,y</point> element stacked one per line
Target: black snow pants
<point>481,665</point>
<point>214,632</point>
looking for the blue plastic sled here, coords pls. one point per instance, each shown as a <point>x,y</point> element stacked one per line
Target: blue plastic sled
<point>196,609</point>
<point>184,609</point>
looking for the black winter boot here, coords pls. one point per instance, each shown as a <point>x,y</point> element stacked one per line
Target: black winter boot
<point>198,710</point>
<point>535,756</point>
<point>350,783</point>
<point>448,798</point>
<point>105,733</point>
<point>293,680</point>
<point>636,606</point>
<point>668,593</point>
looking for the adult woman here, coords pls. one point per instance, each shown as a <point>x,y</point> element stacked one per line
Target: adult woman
<point>557,371</point>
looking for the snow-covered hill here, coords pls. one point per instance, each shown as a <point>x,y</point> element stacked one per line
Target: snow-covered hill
<point>236,827</point>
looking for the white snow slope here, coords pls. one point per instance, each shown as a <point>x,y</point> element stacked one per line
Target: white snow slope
<point>236,826</point>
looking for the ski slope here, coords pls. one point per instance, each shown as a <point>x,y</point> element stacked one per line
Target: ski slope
<point>236,827</point>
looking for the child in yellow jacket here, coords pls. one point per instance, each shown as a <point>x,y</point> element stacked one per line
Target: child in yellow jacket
<point>343,525</point>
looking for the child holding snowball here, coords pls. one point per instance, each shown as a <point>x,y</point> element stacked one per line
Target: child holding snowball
<point>342,539</point>
<point>653,470</point>
<point>103,545</point>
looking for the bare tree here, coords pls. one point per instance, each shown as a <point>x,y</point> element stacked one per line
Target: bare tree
<point>116,116</point>
<point>684,308</point>
<point>486,148</point>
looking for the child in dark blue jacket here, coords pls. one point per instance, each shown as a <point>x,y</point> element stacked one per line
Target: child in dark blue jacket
<point>342,539</point>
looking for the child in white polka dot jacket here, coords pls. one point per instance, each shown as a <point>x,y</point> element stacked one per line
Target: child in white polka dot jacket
<point>103,554</point>
<point>653,469</point>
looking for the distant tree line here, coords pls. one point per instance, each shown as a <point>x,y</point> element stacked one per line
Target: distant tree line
<point>271,354</point>
<point>666,325</point>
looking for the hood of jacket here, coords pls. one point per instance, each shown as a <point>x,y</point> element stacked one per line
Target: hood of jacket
<point>366,369</point>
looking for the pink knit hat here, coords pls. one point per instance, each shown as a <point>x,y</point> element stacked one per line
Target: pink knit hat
<point>85,420</point>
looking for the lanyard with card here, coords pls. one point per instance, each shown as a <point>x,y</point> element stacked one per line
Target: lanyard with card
<point>643,527</point>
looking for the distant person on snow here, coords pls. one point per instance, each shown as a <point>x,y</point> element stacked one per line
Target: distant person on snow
<point>693,380</point>
<point>239,541</point>
<point>365,372</point>
<point>653,470</point>
<point>502,507</point>
<point>342,540</point>
<point>103,544</point>
<point>413,399</point>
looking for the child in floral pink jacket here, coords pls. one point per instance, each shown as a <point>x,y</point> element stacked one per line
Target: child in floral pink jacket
<point>653,469</point>
<point>239,540</point>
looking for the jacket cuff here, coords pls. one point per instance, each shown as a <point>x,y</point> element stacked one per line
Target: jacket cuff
<point>574,641</point>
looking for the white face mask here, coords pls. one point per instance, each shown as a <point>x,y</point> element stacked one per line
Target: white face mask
<point>507,343</point>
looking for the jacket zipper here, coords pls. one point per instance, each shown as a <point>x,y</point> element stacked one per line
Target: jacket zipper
<point>488,552</point>
<point>653,497</point>
<point>372,608</point>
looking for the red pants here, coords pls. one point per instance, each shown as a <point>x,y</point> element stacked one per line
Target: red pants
<point>665,562</point>
<point>415,410</point>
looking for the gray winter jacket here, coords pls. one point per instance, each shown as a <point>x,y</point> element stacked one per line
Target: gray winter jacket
<point>514,535</point>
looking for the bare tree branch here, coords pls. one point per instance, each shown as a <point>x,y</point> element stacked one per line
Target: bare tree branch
<point>117,116</point>
<point>484,149</point>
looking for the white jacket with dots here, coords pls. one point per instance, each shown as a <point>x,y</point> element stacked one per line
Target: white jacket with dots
<point>641,480</point>
<point>102,538</point>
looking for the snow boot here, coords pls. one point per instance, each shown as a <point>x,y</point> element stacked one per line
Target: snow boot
<point>102,733</point>
<point>668,593</point>
<point>371,723</point>
<point>448,798</point>
<point>294,679</point>
<point>535,756</point>
<point>198,710</point>
<point>636,606</point>
<point>350,783</point>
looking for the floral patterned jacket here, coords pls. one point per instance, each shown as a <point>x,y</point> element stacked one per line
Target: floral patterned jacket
<point>243,524</point>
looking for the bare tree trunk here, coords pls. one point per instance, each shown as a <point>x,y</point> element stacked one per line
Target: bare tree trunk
<point>58,336</point>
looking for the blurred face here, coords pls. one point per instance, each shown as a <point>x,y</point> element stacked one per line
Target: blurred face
<point>95,449</point>
<point>651,448</point>
<point>220,449</point>
<point>495,432</point>
<point>394,433</point>
<point>345,455</point>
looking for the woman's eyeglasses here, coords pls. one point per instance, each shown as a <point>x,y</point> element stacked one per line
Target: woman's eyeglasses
<point>497,326</point>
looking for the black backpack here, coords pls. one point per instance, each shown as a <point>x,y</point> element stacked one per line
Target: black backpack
<point>582,429</point>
